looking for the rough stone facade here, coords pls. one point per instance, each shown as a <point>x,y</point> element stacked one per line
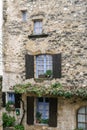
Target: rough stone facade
<point>65,22</point>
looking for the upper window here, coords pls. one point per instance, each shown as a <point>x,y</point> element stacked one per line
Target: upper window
<point>43,64</point>
<point>37,27</point>
<point>11,98</point>
<point>82,118</point>
<point>24,15</point>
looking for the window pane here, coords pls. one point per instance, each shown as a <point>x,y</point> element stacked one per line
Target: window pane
<point>43,63</point>
<point>24,15</point>
<point>81,125</point>
<point>81,110</point>
<point>81,118</point>
<point>38,27</point>
<point>11,98</point>
<point>43,108</point>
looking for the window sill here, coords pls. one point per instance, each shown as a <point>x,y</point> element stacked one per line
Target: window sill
<point>38,124</point>
<point>42,79</point>
<point>37,35</point>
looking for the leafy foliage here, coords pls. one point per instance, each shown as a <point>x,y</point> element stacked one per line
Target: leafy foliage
<point>19,127</point>
<point>55,89</point>
<point>78,129</point>
<point>8,120</point>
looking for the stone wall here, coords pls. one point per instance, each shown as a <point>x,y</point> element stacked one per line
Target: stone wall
<point>66,114</point>
<point>65,21</point>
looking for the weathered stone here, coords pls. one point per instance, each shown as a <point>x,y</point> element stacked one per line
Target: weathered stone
<point>65,22</point>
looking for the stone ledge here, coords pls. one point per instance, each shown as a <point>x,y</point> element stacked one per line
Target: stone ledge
<point>37,36</point>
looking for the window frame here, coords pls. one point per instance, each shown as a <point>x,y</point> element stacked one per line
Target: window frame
<point>31,110</point>
<point>11,101</point>
<point>24,15</point>
<point>45,64</point>
<point>85,114</point>
<point>35,27</point>
<point>44,105</point>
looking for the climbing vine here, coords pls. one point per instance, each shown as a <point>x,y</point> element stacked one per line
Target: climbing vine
<point>55,89</point>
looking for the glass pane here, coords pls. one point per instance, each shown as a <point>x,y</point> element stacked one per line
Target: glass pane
<point>24,15</point>
<point>11,98</point>
<point>81,118</point>
<point>82,110</point>
<point>81,125</point>
<point>40,99</point>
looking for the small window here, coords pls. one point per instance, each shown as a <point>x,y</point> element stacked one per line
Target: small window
<point>43,64</point>
<point>42,112</point>
<point>82,118</point>
<point>24,15</point>
<point>37,27</point>
<point>11,98</point>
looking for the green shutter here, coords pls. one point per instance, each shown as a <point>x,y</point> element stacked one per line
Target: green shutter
<point>29,66</point>
<point>30,110</point>
<point>57,65</point>
<point>53,112</point>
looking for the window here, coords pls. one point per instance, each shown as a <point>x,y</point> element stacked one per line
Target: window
<point>11,98</point>
<point>82,118</point>
<point>37,27</point>
<point>43,63</point>
<point>40,64</point>
<point>24,15</point>
<point>42,112</point>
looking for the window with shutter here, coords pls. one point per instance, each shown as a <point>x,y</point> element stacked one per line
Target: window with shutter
<point>46,66</point>
<point>45,109</point>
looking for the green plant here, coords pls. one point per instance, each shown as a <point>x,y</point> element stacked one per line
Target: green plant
<point>48,73</point>
<point>19,127</point>
<point>44,121</point>
<point>9,106</point>
<point>78,129</point>
<point>38,117</point>
<point>8,120</point>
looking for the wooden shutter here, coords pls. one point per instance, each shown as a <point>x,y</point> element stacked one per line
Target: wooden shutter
<point>53,112</point>
<point>57,65</point>
<point>3,99</point>
<point>30,110</point>
<point>17,100</point>
<point>29,64</point>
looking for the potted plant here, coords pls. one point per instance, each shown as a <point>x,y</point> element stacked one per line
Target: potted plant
<point>38,117</point>
<point>42,76</point>
<point>8,121</point>
<point>10,106</point>
<point>48,73</point>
